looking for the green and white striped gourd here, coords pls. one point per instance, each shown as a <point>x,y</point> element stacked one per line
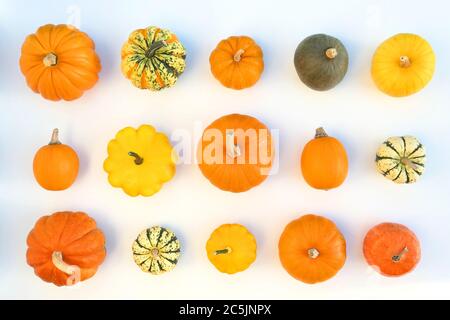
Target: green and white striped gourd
<point>401,159</point>
<point>153,58</point>
<point>156,250</point>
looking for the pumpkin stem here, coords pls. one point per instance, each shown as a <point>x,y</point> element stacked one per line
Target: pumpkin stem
<point>238,55</point>
<point>137,158</point>
<point>73,271</point>
<point>320,133</point>
<point>331,53</point>
<point>55,137</point>
<point>405,62</point>
<point>233,150</point>
<point>398,257</point>
<point>154,47</point>
<point>407,162</point>
<point>313,253</point>
<point>50,60</point>
<point>223,251</point>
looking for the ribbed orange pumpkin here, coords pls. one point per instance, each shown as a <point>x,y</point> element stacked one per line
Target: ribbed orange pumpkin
<point>59,62</point>
<point>312,249</point>
<point>237,62</point>
<point>65,248</point>
<point>235,152</point>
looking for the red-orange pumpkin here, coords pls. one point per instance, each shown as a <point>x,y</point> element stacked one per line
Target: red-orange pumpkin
<point>391,249</point>
<point>65,248</point>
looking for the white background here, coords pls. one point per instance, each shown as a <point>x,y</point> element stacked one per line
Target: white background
<point>355,112</point>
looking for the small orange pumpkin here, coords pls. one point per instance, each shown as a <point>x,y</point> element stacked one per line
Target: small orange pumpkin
<point>55,165</point>
<point>65,248</point>
<point>391,249</point>
<point>312,249</point>
<point>324,162</point>
<point>237,62</point>
<point>235,152</point>
<point>59,62</point>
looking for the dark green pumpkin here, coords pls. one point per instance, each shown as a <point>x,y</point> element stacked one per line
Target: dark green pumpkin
<point>321,61</point>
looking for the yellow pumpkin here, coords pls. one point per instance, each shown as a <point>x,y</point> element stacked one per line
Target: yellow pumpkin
<point>231,248</point>
<point>140,161</point>
<point>403,65</point>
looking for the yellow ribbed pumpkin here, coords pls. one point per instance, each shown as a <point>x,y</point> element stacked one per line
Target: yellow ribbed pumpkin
<point>231,248</point>
<point>403,65</point>
<point>140,161</point>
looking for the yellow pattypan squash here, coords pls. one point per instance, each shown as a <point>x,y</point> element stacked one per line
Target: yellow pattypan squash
<point>403,65</point>
<point>140,161</point>
<point>231,248</point>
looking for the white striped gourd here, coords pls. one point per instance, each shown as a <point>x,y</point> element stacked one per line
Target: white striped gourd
<point>401,159</point>
<point>156,250</point>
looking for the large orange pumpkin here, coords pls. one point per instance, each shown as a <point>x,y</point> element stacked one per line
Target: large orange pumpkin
<point>312,249</point>
<point>59,62</point>
<point>391,249</point>
<point>65,248</point>
<point>324,162</point>
<point>237,62</point>
<point>55,166</point>
<point>235,152</point>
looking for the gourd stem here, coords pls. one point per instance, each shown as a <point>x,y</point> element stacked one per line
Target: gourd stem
<point>405,62</point>
<point>55,137</point>
<point>153,47</point>
<point>155,253</point>
<point>50,60</point>
<point>313,253</point>
<point>331,53</point>
<point>238,55</point>
<point>407,162</point>
<point>320,133</point>
<point>223,251</point>
<point>232,149</point>
<point>73,271</point>
<point>398,257</point>
<point>137,159</point>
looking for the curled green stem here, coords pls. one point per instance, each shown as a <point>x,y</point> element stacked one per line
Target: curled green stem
<point>137,158</point>
<point>154,47</point>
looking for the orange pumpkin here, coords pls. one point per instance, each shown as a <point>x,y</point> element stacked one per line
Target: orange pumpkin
<point>235,152</point>
<point>55,165</point>
<point>59,62</point>
<point>391,249</point>
<point>312,249</point>
<point>237,62</point>
<point>65,248</point>
<point>324,162</point>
